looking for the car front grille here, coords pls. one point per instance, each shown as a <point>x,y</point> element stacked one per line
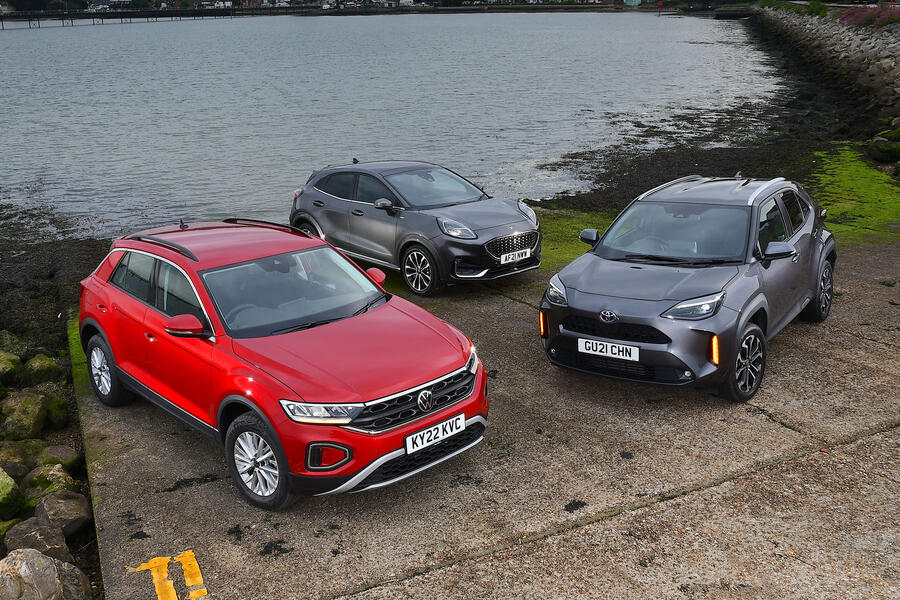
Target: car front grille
<point>404,408</point>
<point>627,332</point>
<point>408,463</point>
<point>497,247</point>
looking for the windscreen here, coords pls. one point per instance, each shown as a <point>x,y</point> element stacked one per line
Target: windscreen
<point>433,186</point>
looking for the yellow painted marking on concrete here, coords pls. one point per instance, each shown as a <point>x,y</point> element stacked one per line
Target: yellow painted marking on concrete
<point>159,568</point>
<point>165,589</point>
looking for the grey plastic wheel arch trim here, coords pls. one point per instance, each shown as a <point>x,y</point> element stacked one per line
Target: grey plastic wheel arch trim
<point>235,399</point>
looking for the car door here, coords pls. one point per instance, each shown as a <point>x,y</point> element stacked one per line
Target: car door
<point>330,205</point>
<point>799,215</point>
<point>373,230</point>
<point>178,369</point>
<point>777,276</point>
<point>129,295</point>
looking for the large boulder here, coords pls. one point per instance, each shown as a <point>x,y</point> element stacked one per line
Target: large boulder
<point>59,455</point>
<point>57,410</point>
<point>11,497</point>
<point>45,480</point>
<point>23,414</point>
<point>10,367</point>
<point>29,575</point>
<point>883,150</point>
<point>65,510</point>
<point>41,368</point>
<point>43,537</point>
<point>18,458</point>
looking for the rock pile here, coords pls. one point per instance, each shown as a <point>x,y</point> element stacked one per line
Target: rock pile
<point>869,56</point>
<point>40,507</point>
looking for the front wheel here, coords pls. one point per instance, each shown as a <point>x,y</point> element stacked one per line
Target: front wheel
<point>746,373</point>
<point>258,465</point>
<point>819,307</point>
<point>420,271</point>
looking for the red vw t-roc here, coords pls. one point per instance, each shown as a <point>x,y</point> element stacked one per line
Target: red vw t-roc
<point>276,345</point>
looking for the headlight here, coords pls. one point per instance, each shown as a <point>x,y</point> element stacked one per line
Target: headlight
<point>323,414</point>
<point>556,292</point>
<point>472,363</point>
<point>696,309</point>
<point>455,229</point>
<point>528,212</point>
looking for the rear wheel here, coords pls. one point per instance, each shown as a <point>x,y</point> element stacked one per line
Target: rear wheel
<point>258,465</point>
<point>746,373</point>
<point>308,228</point>
<point>420,271</point>
<point>103,374</point>
<point>819,307</point>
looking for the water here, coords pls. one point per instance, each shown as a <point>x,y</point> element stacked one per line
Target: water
<point>121,126</point>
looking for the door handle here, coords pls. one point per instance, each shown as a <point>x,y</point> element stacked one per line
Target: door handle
<point>150,337</point>
<point>102,308</point>
<point>318,203</point>
<point>357,212</point>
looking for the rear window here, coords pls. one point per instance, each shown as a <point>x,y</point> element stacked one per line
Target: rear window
<point>133,275</point>
<point>339,184</point>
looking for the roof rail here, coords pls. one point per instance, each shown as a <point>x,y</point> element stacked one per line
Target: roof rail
<point>665,185</point>
<point>171,245</point>
<point>272,224</point>
<point>763,188</point>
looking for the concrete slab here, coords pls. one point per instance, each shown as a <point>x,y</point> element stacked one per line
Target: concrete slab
<point>562,450</point>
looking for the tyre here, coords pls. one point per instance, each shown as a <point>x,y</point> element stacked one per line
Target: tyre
<point>420,271</point>
<point>307,227</point>
<point>102,373</point>
<point>819,307</point>
<point>257,462</point>
<point>746,373</point>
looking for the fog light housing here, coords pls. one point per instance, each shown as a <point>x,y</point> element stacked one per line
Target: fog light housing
<point>326,456</point>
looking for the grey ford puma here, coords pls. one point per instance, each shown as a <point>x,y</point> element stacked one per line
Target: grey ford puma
<point>690,282</point>
<point>423,220</point>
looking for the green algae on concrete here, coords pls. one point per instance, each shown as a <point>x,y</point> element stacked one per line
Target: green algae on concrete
<point>863,202</point>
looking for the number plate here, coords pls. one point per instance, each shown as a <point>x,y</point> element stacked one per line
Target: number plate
<point>607,349</point>
<point>437,432</point>
<point>515,256</point>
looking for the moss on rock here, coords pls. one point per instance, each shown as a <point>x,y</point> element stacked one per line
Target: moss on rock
<point>7,525</point>
<point>11,498</point>
<point>10,367</point>
<point>59,455</point>
<point>884,150</point>
<point>57,410</point>
<point>46,480</point>
<point>23,414</point>
<point>41,368</point>
<point>10,343</point>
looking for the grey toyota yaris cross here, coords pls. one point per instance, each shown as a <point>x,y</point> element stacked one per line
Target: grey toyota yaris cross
<point>423,220</point>
<point>690,282</point>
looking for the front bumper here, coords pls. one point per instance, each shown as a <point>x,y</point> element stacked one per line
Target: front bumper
<point>468,260</point>
<point>380,459</point>
<point>671,351</point>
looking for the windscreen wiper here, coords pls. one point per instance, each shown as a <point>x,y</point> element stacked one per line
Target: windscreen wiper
<point>303,326</point>
<point>369,305</point>
<point>669,259</point>
<point>714,261</point>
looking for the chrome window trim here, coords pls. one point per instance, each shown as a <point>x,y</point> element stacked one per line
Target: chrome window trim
<point>359,477</point>
<point>211,338</point>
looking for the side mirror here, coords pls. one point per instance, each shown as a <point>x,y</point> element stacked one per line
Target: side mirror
<point>185,326</point>
<point>377,275</point>
<point>777,250</point>
<point>383,204</point>
<point>589,236</point>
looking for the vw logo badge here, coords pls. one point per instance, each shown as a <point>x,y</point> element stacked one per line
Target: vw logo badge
<point>426,400</point>
<point>608,316</point>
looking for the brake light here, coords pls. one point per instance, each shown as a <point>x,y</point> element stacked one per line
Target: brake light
<point>542,319</point>
<point>714,350</point>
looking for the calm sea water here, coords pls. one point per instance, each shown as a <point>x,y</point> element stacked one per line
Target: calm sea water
<point>120,126</point>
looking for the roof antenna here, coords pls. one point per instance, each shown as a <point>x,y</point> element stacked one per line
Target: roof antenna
<point>355,161</point>
<point>737,175</point>
<point>182,224</point>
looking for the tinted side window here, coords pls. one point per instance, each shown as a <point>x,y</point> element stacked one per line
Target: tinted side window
<point>794,207</point>
<point>118,275</point>
<point>135,275</point>
<point>370,189</point>
<point>771,224</point>
<point>339,184</point>
<point>174,294</point>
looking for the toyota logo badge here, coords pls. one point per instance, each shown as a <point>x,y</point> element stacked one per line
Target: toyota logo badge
<point>426,400</point>
<point>608,316</point>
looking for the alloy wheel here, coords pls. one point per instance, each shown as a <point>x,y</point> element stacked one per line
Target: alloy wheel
<point>100,371</point>
<point>417,271</point>
<point>748,367</point>
<point>256,463</point>
<point>826,289</point>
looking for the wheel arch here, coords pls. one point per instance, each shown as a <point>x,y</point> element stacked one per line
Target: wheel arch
<point>301,216</point>
<point>418,240</point>
<point>232,407</point>
<point>756,312</point>
<point>88,329</point>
